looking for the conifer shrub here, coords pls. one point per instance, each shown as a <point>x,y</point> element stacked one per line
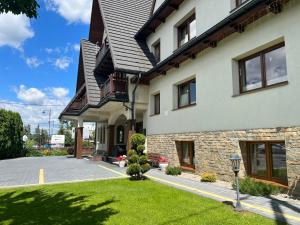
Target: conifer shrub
<point>138,161</point>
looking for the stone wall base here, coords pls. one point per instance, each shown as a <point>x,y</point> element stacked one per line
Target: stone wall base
<point>213,150</point>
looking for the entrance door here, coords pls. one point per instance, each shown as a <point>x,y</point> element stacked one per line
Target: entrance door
<point>186,154</point>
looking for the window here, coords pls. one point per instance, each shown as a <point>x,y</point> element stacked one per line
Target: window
<point>263,69</point>
<point>239,2</point>
<point>120,134</point>
<point>267,160</point>
<point>156,49</point>
<point>186,154</point>
<point>156,104</point>
<point>187,30</point>
<point>187,93</point>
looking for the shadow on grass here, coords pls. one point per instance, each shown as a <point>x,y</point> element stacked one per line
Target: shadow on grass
<point>39,207</point>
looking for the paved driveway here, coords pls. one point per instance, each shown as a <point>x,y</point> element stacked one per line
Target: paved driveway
<point>31,171</point>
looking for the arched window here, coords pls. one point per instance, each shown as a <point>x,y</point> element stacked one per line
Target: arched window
<point>120,134</point>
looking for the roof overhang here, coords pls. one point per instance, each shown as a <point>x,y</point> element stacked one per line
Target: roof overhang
<point>158,17</point>
<point>235,22</point>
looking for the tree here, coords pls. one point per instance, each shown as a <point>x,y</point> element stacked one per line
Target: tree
<point>11,132</point>
<point>138,161</point>
<point>66,129</point>
<point>27,7</point>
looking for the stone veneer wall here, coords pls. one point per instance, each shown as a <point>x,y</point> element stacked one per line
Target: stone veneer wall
<point>213,150</point>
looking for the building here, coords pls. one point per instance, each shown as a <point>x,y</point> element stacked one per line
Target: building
<point>202,79</point>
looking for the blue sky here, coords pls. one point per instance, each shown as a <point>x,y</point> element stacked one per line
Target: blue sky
<point>39,58</point>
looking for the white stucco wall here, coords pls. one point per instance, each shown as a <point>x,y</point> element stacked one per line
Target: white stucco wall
<point>208,13</point>
<point>216,108</point>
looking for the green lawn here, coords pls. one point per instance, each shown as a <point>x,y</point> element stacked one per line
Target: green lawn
<point>115,202</point>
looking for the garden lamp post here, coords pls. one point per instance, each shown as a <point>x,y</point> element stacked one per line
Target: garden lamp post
<point>235,162</point>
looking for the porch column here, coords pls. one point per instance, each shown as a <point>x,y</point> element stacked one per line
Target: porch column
<point>130,133</point>
<point>110,139</point>
<point>79,139</point>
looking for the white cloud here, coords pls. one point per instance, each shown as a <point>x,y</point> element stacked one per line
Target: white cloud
<point>63,62</point>
<point>32,114</point>
<point>52,50</point>
<point>33,62</point>
<point>14,30</point>
<point>76,47</point>
<point>60,92</point>
<point>72,10</point>
<point>30,95</point>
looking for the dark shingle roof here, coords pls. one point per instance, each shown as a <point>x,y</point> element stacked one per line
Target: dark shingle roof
<point>93,83</point>
<point>122,19</point>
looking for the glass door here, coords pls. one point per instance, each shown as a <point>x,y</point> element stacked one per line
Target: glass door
<point>187,154</point>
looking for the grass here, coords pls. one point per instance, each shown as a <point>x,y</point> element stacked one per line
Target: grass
<point>115,202</point>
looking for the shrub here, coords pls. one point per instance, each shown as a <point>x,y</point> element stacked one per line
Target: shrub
<point>133,169</point>
<point>136,140</point>
<point>70,150</point>
<point>252,187</point>
<point>209,177</point>
<point>11,128</point>
<point>131,152</point>
<point>87,144</point>
<point>174,171</point>
<point>138,162</point>
<point>34,153</point>
<point>46,153</point>
<point>59,152</point>
<point>140,148</point>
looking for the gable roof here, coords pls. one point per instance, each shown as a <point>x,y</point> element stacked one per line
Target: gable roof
<point>122,19</point>
<point>92,81</point>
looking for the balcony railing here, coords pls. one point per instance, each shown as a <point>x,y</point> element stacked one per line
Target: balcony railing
<point>102,52</point>
<point>79,103</point>
<point>116,86</point>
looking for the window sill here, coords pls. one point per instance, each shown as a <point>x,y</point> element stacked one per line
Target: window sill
<point>271,182</point>
<point>261,89</point>
<point>152,115</point>
<point>184,107</point>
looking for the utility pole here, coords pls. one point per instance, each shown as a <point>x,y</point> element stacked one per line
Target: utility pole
<point>49,126</point>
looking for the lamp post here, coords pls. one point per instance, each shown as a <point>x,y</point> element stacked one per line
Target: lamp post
<point>235,162</point>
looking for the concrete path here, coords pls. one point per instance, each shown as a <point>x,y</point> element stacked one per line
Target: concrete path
<point>49,170</point>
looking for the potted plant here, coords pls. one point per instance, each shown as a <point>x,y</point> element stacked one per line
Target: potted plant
<point>122,160</point>
<point>163,163</point>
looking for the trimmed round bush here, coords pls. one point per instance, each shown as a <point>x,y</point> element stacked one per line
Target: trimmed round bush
<point>133,159</point>
<point>143,159</point>
<point>133,169</point>
<point>131,153</point>
<point>140,148</point>
<point>145,167</point>
<point>209,177</point>
<point>137,139</point>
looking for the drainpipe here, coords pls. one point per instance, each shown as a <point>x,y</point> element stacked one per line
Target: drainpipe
<point>133,124</point>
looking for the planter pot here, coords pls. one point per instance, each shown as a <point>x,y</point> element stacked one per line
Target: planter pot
<point>163,166</point>
<point>122,163</point>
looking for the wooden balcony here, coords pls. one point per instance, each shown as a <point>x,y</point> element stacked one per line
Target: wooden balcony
<point>115,88</point>
<point>79,103</point>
